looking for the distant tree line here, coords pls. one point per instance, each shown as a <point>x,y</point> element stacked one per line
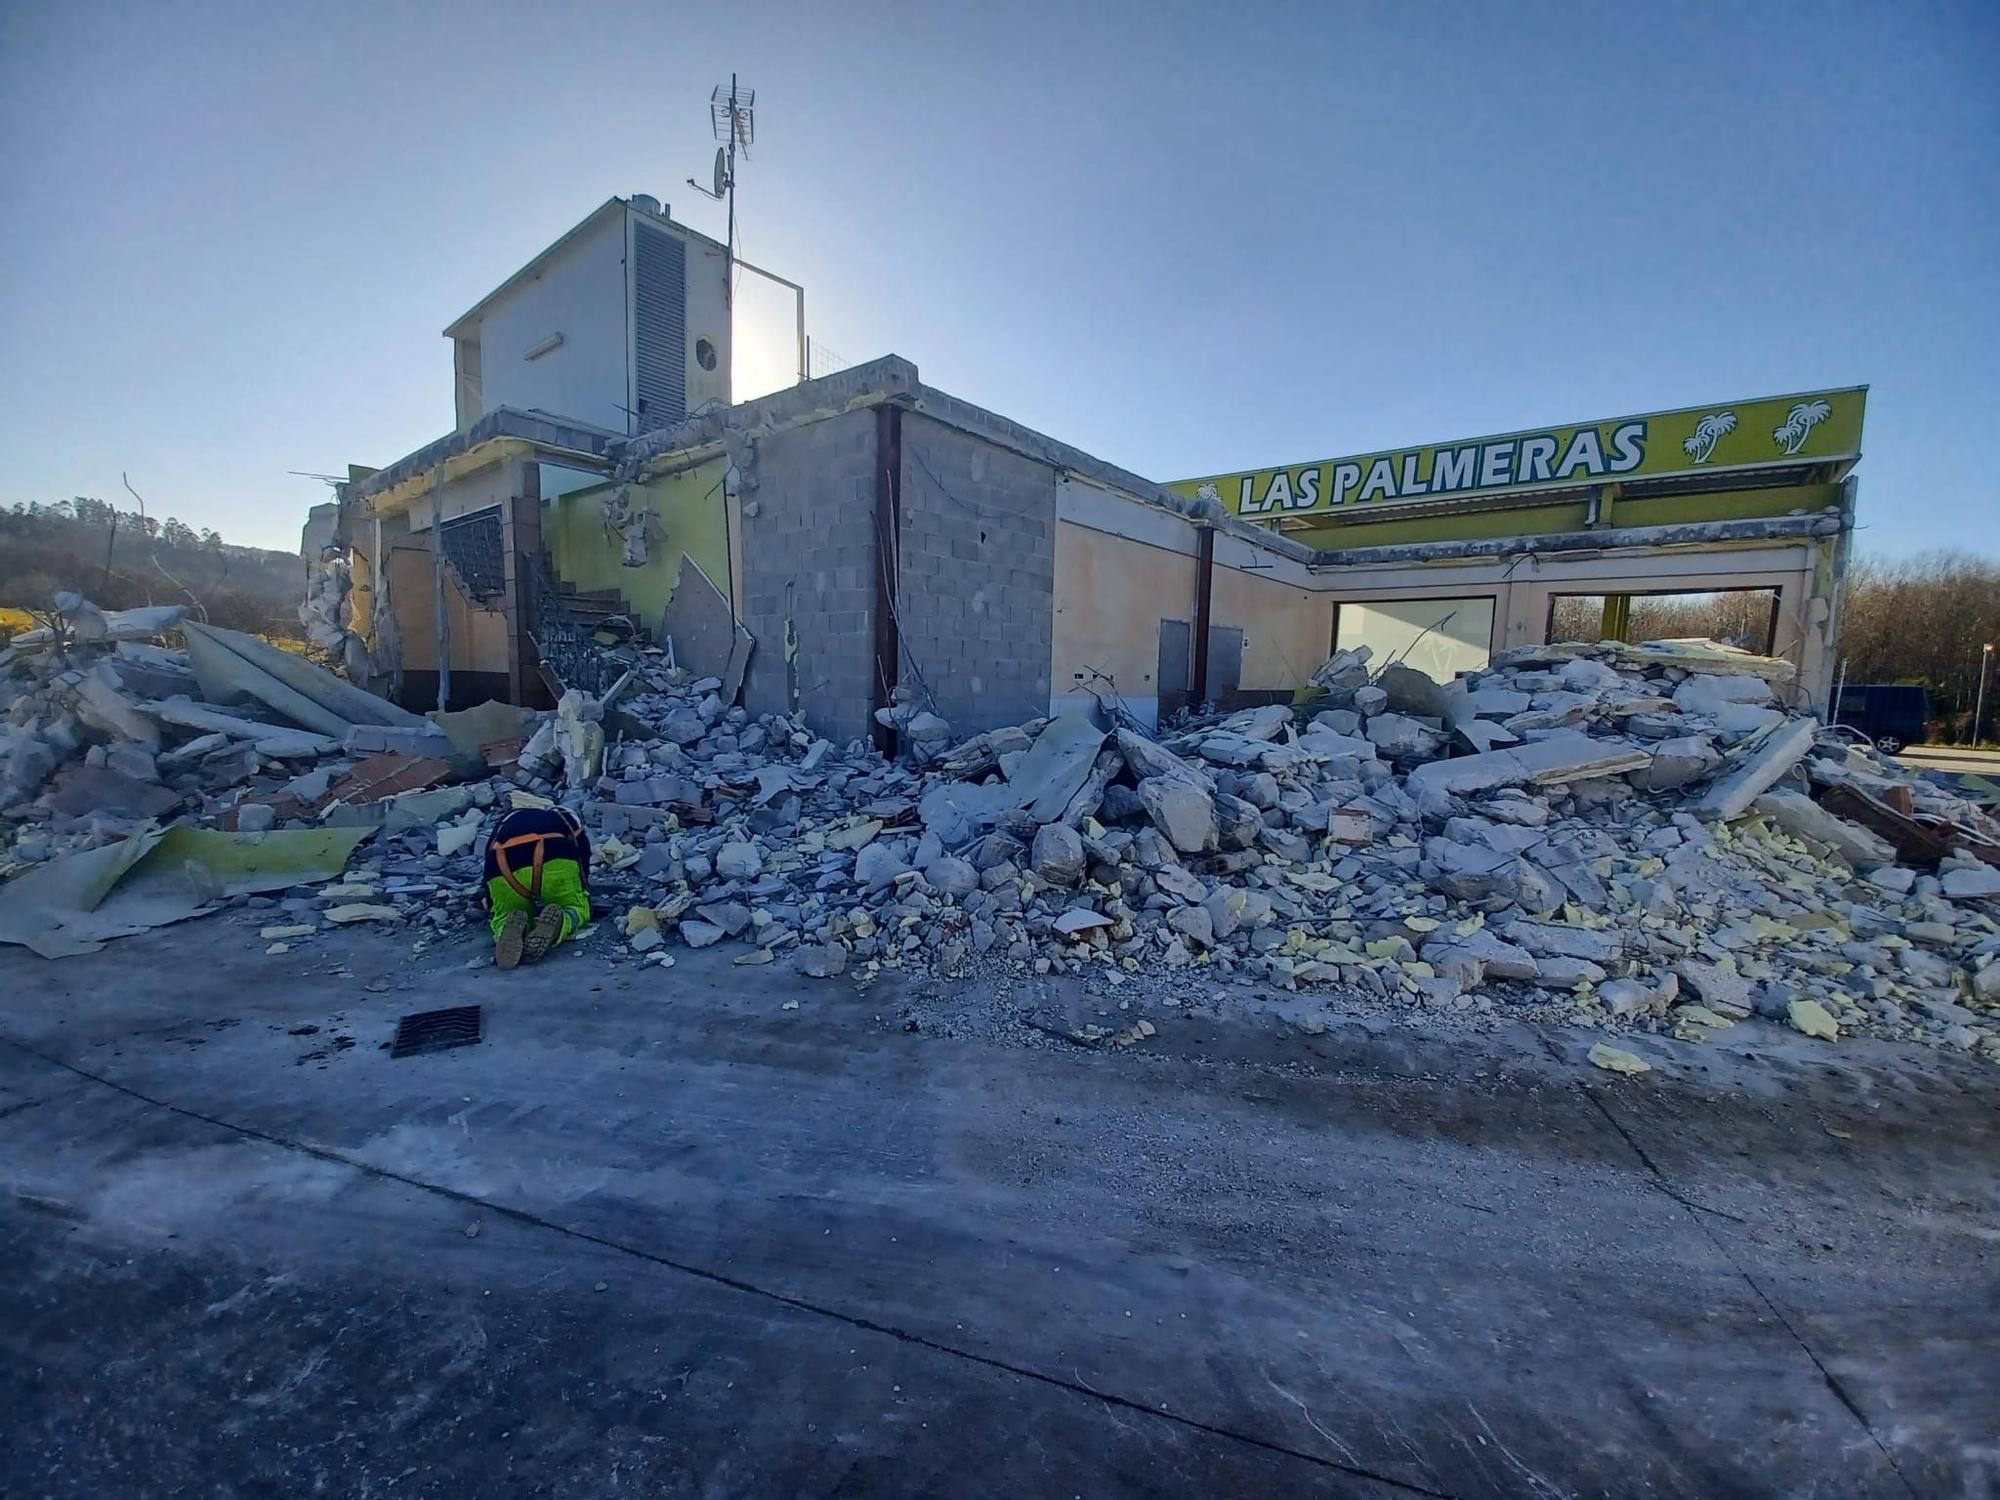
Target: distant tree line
<point>1923,619</point>
<point>1736,617</point>
<point>1926,619</point>
<point>120,559</point>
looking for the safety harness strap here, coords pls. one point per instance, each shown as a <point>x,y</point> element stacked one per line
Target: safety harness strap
<point>532,891</point>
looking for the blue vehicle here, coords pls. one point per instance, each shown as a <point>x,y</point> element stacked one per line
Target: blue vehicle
<point>1892,714</point>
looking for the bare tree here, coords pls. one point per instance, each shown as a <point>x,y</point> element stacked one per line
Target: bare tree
<point>1922,619</point>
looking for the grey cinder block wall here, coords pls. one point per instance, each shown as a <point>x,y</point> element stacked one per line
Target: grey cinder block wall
<point>976,574</point>
<point>809,558</point>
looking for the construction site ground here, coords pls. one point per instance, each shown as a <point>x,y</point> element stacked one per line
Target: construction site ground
<point>663,1233</point>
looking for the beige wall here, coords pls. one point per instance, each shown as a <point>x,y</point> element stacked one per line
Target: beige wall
<point>478,636</point>
<point>1111,593</point>
<point>1122,567</point>
<point>1287,632</point>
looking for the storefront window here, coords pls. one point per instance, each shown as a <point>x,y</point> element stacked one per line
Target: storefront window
<point>1441,637</point>
<point>1744,618</point>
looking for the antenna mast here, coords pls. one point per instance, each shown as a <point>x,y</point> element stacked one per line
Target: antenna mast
<point>734,114</point>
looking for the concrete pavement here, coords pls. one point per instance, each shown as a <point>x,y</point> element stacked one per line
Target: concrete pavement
<point>1951,758</point>
<point>662,1235</point>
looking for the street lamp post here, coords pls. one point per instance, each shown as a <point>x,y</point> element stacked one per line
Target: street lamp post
<point>1979,703</point>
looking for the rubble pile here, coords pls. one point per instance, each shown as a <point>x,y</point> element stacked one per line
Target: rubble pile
<point>1619,837</point>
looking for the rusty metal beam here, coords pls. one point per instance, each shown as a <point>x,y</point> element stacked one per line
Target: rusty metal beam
<point>1204,586</point>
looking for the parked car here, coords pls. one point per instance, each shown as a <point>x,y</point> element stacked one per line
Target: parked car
<point>1892,714</point>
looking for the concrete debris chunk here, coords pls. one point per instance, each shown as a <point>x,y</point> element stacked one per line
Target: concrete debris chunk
<point>1057,855</point>
<point>362,911</point>
<point>1617,1059</point>
<point>1704,693</point>
<point>1399,737</point>
<point>1183,811</point>
<point>821,961</point>
<point>1676,762</point>
<point>738,861</point>
<point>1722,990</point>
<point>1078,920</point>
<point>1975,883</point>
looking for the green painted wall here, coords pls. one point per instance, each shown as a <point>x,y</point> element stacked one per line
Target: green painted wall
<point>690,507</point>
<point>1471,525</point>
<point>1725,505</point>
<point>1536,520</point>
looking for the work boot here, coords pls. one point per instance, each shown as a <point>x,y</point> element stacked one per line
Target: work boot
<point>507,945</point>
<point>545,934</point>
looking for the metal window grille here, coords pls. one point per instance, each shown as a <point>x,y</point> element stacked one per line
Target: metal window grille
<point>475,546</point>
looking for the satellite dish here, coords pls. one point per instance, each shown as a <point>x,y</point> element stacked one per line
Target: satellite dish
<point>721,171</point>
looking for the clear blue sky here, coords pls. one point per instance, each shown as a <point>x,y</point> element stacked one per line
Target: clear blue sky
<point>1185,237</point>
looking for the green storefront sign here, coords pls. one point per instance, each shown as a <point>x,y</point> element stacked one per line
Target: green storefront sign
<point>1773,431</point>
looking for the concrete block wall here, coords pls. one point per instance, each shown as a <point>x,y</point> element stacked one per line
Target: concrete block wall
<point>809,557</point>
<point>977,574</point>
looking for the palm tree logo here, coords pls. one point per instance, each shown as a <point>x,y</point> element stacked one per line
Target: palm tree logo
<point>1709,431</point>
<point>1799,423</point>
<point>1208,491</point>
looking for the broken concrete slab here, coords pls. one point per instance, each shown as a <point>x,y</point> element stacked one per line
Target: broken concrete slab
<point>1056,766</point>
<point>84,790</point>
<point>1722,990</point>
<point>1044,781</point>
<point>236,668</point>
<point>1768,759</point>
<point>1146,759</point>
<point>1481,735</point>
<point>1079,920</point>
<point>1399,737</point>
<point>707,637</point>
<point>397,739</point>
<point>1704,693</point>
<point>275,740</point>
<point>1560,758</point>
<point>1976,883</point>
<point>1804,818</point>
<point>1477,956</point>
<point>402,812</point>
<point>100,702</point>
<point>1543,939</point>
<point>698,934</point>
<point>362,911</point>
<point>97,625</point>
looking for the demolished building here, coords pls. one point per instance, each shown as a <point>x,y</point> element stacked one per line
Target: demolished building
<point>865,540</point>
<point>1117,728</point>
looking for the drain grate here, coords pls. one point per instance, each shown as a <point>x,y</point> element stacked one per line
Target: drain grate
<point>436,1030</point>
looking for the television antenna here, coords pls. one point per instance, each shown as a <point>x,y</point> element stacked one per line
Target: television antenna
<point>733,112</point>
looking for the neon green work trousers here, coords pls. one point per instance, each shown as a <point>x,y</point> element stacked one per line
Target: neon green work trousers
<point>562,885</point>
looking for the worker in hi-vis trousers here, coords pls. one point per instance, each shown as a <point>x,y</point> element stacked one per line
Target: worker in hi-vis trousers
<point>537,882</point>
